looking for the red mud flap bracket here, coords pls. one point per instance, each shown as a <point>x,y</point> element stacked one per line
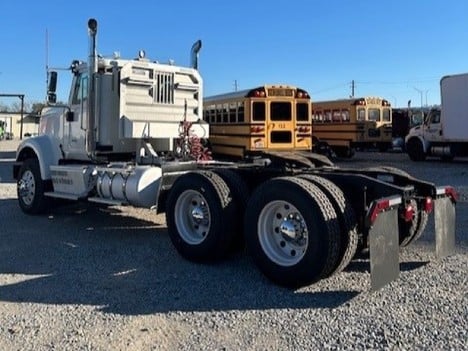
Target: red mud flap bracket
<point>382,224</point>
<point>444,219</point>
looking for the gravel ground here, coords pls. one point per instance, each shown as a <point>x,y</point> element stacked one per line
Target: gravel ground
<point>89,278</point>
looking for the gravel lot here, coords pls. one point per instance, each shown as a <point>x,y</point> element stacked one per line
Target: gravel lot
<point>88,278</point>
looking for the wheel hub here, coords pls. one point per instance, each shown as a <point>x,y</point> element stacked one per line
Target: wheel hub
<point>197,214</point>
<point>193,219</point>
<point>283,233</point>
<point>291,229</point>
<point>26,187</point>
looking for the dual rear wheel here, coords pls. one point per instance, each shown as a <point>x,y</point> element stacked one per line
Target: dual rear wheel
<point>292,228</point>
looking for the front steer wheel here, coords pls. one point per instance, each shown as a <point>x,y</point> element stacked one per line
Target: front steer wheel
<point>415,150</point>
<point>292,232</point>
<point>200,214</point>
<point>31,188</point>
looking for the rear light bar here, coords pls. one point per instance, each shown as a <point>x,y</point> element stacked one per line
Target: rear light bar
<point>447,191</point>
<point>380,206</point>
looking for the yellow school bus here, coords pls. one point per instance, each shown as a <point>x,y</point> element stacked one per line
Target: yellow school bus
<point>348,124</point>
<point>266,118</point>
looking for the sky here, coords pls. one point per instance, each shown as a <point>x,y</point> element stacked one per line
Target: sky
<point>395,49</point>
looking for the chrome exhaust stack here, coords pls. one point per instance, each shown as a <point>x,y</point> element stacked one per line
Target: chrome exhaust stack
<point>92,70</point>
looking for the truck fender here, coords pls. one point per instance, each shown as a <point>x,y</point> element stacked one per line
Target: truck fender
<point>42,148</point>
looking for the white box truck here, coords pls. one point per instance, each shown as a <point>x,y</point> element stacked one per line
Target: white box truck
<point>444,132</point>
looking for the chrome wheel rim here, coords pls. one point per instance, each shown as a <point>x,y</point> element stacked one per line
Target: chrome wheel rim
<point>27,187</point>
<point>192,217</point>
<point>283,233</point>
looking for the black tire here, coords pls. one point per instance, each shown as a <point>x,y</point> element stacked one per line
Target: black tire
<point>31,188</point>
<point>240,193</point>
<point>199,215</point>
<point>345,152</point>
<point>346,218</point>
<point>407,230</point>
<point>419,229</point>
<point>415,150</point>
<point>292,232</point>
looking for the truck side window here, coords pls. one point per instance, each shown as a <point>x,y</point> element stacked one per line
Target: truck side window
<point>80,90</point>
<point>435,118</point>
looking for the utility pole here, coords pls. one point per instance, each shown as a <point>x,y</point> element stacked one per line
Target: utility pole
<point>352,89</point>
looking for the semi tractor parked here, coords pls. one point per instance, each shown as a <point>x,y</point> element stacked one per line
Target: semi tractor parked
<point>132,134</point>
<point>444,132</point>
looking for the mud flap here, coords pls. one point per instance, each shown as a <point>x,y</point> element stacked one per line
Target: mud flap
<point>444,219</point>
<point>383,241</point>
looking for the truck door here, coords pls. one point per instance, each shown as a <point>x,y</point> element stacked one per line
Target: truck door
<point>432,128</point>
<point>74,138</point>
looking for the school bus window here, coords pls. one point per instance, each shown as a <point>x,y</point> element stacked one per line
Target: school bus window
<point>315,117</point>
<point>213,114</point>
<point>374,114</point>
<point>280,111</point>
<point>219,115</point>
<point>327,116</point>
<point>386,115</point>
<point>361,114</point>
<point>240,112</point>
<point>318,116</point>
<point>345,115</point>
<point>232,113</point>
<point>258,111</point>
<point>336,116</point>
<point>225,113</point>
<point>302,112</point>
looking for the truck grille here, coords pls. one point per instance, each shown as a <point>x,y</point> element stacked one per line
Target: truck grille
<point>164,88</point>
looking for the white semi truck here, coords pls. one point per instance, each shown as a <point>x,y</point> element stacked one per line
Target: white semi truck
<point>132,134</point>
<point>444,132</point>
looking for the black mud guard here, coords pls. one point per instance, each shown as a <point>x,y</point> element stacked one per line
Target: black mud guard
<point>444,220</point>
<point>382,224</point>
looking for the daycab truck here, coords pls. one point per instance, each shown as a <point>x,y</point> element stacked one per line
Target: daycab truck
<point>444,132</point>
<point>132,134</point>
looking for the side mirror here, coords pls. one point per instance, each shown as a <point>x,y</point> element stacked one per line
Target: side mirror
<point>52,88</point>
<point>70,116</point>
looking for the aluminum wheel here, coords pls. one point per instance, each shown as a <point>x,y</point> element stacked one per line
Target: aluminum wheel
<point>27,187</point>
<point>282,233</point>
<point>192,217</point>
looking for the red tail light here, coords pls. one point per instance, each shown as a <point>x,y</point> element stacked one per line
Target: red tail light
<point>448,191</point>
<point>360,102</point>
<point>428,205</point>
<point>381,206</point>
<point>303,129</point>
<point>408,215</point>
<point>257,129</point>
<point>302,94</point>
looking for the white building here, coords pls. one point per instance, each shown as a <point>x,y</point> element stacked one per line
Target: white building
<point>13,123</point>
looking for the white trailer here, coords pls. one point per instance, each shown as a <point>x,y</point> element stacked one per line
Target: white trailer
<point>132,134</point>
<point>444,132</point>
